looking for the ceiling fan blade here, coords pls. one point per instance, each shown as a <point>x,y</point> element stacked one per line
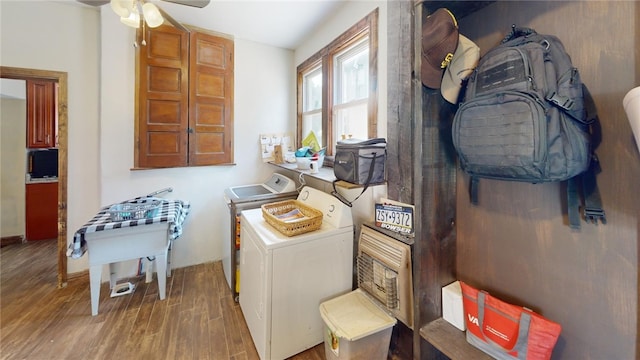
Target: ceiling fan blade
<point>94,2</point>
<point>194,3</point>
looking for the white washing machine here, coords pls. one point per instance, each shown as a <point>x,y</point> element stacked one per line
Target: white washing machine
<point>284,279</point>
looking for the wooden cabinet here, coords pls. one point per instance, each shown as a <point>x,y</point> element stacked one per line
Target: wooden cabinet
<point>185,106</point>
<point>41,211</point>
<point>41,114</point>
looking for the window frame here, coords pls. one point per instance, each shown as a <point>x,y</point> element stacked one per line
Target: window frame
<point>368,26</point>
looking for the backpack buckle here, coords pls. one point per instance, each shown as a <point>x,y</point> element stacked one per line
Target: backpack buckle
<point>563,102</point>
<point>592,215</point>
<point>546,44</point>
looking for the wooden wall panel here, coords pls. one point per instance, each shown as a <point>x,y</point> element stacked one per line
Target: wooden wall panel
<point>516,243</point>
<point>400,122</point>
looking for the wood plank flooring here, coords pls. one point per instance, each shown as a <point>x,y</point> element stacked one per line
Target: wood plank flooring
<point>197,320</point>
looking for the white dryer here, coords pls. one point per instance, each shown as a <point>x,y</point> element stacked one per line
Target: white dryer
<point>284,279</point>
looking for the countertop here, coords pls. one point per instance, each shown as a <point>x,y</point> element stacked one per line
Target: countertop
<point>41,180</point>
<point>324,173</point>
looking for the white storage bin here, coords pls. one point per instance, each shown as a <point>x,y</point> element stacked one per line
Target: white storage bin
<point>452,308</point>
<point>631,103</point>
<point>356,328</point>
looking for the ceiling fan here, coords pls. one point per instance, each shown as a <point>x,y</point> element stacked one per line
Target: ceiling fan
<point>194,3</point>
<point>134,12</point>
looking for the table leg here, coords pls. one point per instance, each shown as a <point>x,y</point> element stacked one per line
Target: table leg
<point>149,269</point>
<point>161,270</point>
<point>113,277</point>
<point>95,275</point>
<point>169,258</point>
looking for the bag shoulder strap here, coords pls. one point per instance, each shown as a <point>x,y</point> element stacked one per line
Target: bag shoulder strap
<point>592,210</point>
<point>473,189</point>
<point>366,185</point>
<point>573,203</point>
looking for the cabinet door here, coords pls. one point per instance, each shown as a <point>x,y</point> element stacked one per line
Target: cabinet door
<point>41,211</point>
<point>163,93</point>
<point>41,119</point>
<point>211,72</point>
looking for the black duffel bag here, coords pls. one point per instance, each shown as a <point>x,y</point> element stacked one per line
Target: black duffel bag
<point>360,161</point>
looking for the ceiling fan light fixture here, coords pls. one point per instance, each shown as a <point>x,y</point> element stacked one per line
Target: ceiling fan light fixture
<point>152,15</point>
<point>121,7</point>
<point>133,20</point>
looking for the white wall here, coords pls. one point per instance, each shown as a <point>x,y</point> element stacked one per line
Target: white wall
<point>60,37</point>
<point>13,120</point>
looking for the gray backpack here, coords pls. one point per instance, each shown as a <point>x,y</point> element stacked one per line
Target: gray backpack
<point>524,118</point>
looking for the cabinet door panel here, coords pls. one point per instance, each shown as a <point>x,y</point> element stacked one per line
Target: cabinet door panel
<point>164,97</point>
<point>41,211</point>
<point>211,99</point>
<point>41,124</point>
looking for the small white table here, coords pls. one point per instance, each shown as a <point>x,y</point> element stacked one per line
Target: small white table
<point>116,245</point>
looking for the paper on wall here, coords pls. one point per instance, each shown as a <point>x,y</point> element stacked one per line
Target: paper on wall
<point>269,141</point>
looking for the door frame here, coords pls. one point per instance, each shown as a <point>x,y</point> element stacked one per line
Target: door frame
<point>61,78</point>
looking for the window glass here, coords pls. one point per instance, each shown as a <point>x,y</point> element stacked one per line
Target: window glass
<point>352,73</point>
<point>313,122</point>
<point>350,121</point>
<point>351,84</point>
<point>312,91</point>
<point>312,104</point>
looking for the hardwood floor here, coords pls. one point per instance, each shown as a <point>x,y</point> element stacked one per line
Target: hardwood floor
<point>197,320</point>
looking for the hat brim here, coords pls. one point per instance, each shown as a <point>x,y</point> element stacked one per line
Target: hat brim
<point>431,77</point>
<point>464,61</point>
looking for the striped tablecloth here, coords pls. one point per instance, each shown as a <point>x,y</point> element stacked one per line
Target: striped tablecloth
<point>173,212</point>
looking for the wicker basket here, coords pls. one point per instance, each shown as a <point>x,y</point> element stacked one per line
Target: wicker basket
<point>302,218</point>
<point>134,210</point>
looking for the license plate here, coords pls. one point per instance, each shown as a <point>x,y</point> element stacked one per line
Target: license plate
<point>395,218</point>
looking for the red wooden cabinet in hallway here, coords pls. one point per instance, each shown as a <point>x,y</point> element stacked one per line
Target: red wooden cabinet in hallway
<point>41,211</point>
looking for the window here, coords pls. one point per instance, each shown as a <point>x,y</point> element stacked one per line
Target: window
<point>337,87</point>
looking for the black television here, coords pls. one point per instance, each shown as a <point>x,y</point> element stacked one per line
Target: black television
<point>43,163</point>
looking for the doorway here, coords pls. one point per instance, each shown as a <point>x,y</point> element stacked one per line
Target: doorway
<point>61,79</point>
